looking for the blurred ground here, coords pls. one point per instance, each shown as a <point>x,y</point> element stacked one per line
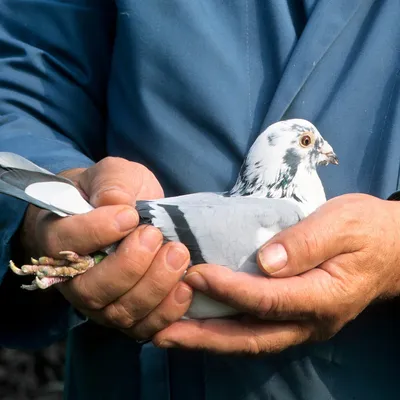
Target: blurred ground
<point>33,375</point>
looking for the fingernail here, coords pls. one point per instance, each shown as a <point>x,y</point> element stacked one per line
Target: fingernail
<point>166,344</point>
<point>150,238</point>
<point>126,219</point>
<point>195,280</point>
<point>273,258</point>
<point>176,257</point>
<point>182,294</point>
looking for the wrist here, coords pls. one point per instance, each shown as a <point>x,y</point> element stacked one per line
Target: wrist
<point>393,210</point>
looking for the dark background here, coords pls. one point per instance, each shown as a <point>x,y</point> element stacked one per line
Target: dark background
<point>33,375</point>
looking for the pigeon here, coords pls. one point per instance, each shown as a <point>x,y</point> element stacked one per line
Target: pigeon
<point>277,186</point>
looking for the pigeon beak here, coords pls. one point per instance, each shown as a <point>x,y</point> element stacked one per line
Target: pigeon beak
<point>329,155</point>
<point>332,158</point>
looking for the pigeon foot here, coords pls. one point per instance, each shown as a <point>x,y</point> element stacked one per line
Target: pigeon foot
<point>48,271</point>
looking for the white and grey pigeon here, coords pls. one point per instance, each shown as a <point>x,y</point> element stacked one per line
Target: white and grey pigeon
<point>277,186</point>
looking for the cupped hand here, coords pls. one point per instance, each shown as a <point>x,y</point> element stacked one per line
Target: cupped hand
<point>137,289</point>
<point>321,273</point>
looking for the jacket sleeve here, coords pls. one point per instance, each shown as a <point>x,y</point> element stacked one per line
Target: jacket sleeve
<point>54,65</point>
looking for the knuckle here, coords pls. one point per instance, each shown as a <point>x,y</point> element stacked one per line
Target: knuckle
<point>308,243</point>
<point>157,290</point>
<point>110,162</point>
<point>150,325</point>
<point>113,163</point>
<point>140,168</point>
<point>84,294</point>
<point>351,212</point>
<point>266,305</point>
<point>90,302</point>
<point>272,303</point>
<point>355,199</point>
<point>353,208</point>
<point>112,182</point>
<point>118,316</point>
<point>147,181</point>
<point>162,318</point>
<point>258,344</point>
<point>142,306</point>
<point>132,263</point>
<point>252,345</point>
<point>132,179</point>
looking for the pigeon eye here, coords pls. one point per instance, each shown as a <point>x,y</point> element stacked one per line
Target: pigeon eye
<point>305,140</point>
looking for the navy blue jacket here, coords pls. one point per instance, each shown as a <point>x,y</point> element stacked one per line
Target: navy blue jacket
<point>184,87</point>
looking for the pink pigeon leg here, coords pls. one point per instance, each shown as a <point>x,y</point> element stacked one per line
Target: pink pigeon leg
<point>48,271</point>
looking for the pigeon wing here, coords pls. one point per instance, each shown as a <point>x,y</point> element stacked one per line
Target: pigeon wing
<point>166,215</point>
<point>24,180</point>
<point>221,230</point>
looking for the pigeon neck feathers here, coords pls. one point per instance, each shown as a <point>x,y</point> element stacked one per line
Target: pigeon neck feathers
<point>276,167</point>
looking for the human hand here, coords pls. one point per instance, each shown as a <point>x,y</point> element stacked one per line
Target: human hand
<point>322,272</point>
<point>135,289</point>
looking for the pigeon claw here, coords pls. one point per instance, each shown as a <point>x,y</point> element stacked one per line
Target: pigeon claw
<point>48,271</point>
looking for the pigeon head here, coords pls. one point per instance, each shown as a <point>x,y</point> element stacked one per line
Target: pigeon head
<point>299,142</point>
<point>283,162</point>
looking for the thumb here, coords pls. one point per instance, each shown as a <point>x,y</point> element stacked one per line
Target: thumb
<point>304,246</point>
